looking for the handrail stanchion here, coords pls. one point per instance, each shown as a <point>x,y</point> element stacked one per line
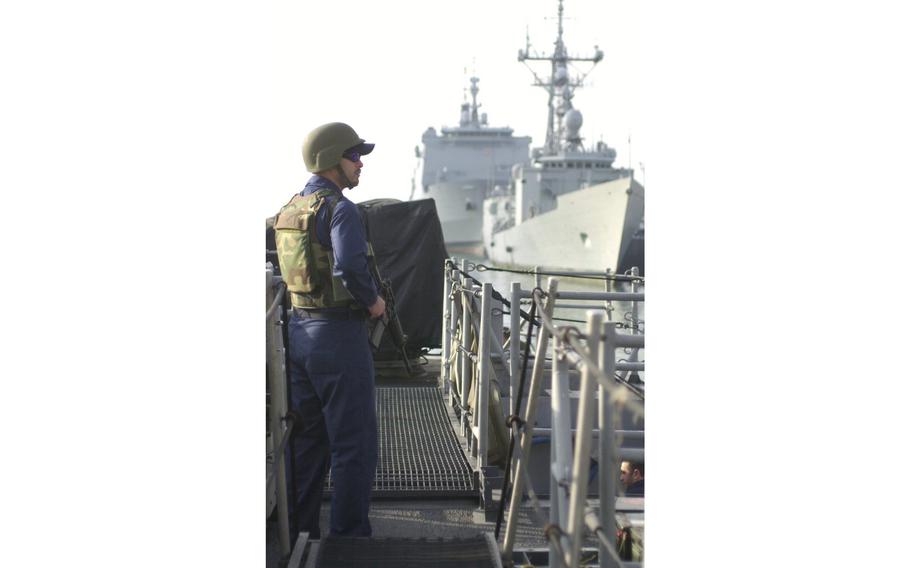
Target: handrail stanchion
<point>278,408</point>
<point>444,373</point>
<point>581,462</point>
<point>606,455</point>
<point>634,303</point>
<point>596,353</point>
<point>529,417</point>
<point>466,335</point>
<point>514,340</point>
<point>483,384</point>
<point>608,305</point>
<point>453,325</point>
<point>455,367</point>
<point>560,448</point>
<point>633,354</point>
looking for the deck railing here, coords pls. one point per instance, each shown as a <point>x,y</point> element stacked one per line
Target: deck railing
<point>468,354</point>
<point>279,427</point>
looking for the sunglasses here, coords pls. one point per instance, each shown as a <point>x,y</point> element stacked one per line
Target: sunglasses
<point>352,155</point>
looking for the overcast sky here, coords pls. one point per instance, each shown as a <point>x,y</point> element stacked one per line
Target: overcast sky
<point>391,81</point>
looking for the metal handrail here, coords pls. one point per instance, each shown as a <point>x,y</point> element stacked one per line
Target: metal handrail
<point>279,296</point>
<point>469,307</point>
<point>278,408</point>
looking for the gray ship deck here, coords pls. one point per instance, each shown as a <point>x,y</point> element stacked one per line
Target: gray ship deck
<point>443,509</point>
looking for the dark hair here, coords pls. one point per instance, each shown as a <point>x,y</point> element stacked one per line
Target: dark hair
<point>640,466</point>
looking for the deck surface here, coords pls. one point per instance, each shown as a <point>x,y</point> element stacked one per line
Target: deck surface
<point>426,514</point>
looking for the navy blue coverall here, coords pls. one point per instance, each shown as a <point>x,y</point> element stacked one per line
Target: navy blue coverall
<point>333,388</point>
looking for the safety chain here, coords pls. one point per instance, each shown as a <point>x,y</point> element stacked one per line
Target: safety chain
<point>571,343</point>
<point>496,295</point>
<point>625,277</point>
<point>514,417</point>
<point>633,324</point>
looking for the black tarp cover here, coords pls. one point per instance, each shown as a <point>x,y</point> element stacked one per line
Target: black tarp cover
<point>410,252</point>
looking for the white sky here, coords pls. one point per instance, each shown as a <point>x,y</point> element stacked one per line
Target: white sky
<point>392,80</point>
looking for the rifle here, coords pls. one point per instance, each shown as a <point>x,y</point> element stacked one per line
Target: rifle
<point>390,318</point>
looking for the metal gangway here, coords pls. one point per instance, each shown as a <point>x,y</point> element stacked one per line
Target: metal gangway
<point>483,377</point>
<point>482,368</point>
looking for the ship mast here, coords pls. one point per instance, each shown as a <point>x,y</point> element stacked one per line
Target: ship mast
<point>560,87</point>
<point>469,114</point>
<point>474,118</point>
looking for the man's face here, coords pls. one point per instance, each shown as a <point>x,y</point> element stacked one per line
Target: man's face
<point>625,474</point>
<point>351,168</point>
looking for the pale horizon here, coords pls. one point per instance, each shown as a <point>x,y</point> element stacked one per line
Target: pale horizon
<point>392,86</point>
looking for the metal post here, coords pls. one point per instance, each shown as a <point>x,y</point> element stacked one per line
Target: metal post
<point>278,408</point>
<point>634,304</point>
<point>608,305</point>
<point>529,416</point>
<point>444,372</point>
<point>633,354</point>
<point>453,324</point>
<point>554,488</point>
<point>496,312</point>
<point>561,442</point>
<point>606,455</point>
<point>514,340</point>
<point>582,459</point>
<point>482,412</point>
<point>466,333</point>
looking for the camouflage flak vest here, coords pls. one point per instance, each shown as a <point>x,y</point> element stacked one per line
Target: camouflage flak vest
<point>306,265</point>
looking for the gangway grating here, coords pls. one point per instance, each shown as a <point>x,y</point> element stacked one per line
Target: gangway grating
<point>349,552</point>
<point>419,455</point>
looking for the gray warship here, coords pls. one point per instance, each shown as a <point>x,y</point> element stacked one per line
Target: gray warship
<point>564,206</point>
<point>461,166</point>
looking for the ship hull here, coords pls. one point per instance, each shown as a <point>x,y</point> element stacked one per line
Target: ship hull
<point>459,208</point>
<point>590,229</point>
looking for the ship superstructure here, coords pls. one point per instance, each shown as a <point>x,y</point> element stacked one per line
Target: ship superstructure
<point>533,221</point>
<point>462,165</point>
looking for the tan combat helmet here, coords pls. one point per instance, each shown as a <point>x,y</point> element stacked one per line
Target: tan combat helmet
<point>324,146</point>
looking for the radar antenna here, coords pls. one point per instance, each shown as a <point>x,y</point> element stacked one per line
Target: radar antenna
<point>560,87</point>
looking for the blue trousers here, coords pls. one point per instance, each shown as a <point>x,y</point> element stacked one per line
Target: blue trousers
<point>333,392</point>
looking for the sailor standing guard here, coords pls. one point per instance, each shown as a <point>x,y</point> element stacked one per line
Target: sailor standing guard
<point>322,251</point>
